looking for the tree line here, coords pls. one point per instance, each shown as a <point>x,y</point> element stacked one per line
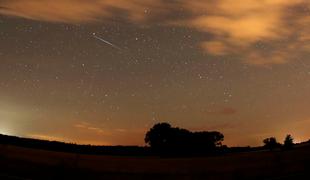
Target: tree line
<point>165,139</point>
<point>272,143</point>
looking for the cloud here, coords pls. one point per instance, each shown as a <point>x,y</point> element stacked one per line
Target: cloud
<point>215,47</point>
<point>78,11</point>
<point>55,11</point>
<point>235,27</point>
<point>222,111</point>
<point>216,126</point>
<point>88,127</point>
<point>47,137</point>
<point>67,140</point>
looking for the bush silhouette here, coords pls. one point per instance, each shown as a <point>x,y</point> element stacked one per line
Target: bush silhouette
<point>166,139</point>
<point>271,143</point>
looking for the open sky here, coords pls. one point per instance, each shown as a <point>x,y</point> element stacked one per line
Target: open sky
<point>240,67</point>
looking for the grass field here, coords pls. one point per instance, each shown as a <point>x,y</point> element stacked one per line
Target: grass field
<point>23,163</point>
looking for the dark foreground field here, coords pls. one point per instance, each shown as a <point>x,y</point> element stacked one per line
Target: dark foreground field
<point>23,163</point>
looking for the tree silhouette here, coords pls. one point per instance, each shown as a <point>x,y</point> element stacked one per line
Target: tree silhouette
<point>271,143</point>
<point>207,140</point>
<point>166,139</point>
<point>288,142</point>
<point>159,135</point>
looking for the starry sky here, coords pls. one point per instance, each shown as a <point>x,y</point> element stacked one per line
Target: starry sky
<point>236,66</point>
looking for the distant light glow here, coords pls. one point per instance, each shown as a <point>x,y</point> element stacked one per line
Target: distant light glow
<point>5,131</point>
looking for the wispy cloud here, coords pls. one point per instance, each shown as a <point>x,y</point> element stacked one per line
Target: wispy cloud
<point>47,137</point>
<point>79,11</point>
<point>66,140</point>
<point>91,128</point>
<point>222,111</point>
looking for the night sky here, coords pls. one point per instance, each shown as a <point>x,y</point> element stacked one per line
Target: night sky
<point>240,67</point>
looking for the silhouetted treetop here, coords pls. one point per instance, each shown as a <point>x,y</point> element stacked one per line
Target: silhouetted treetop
<point>288,142</point>
<point>159,135</point>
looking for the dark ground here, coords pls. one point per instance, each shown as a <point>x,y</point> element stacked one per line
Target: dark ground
<point>26,163</point>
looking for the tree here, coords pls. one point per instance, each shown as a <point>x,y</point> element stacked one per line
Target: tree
<point>288,142</point>
<point>207,140</point>
<point>271,143</point>
<point>159,135</point>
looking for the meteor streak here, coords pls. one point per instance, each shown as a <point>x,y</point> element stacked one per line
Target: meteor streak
<point>105,41</point>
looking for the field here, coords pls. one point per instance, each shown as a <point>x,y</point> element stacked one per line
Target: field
<point>24,163</point>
